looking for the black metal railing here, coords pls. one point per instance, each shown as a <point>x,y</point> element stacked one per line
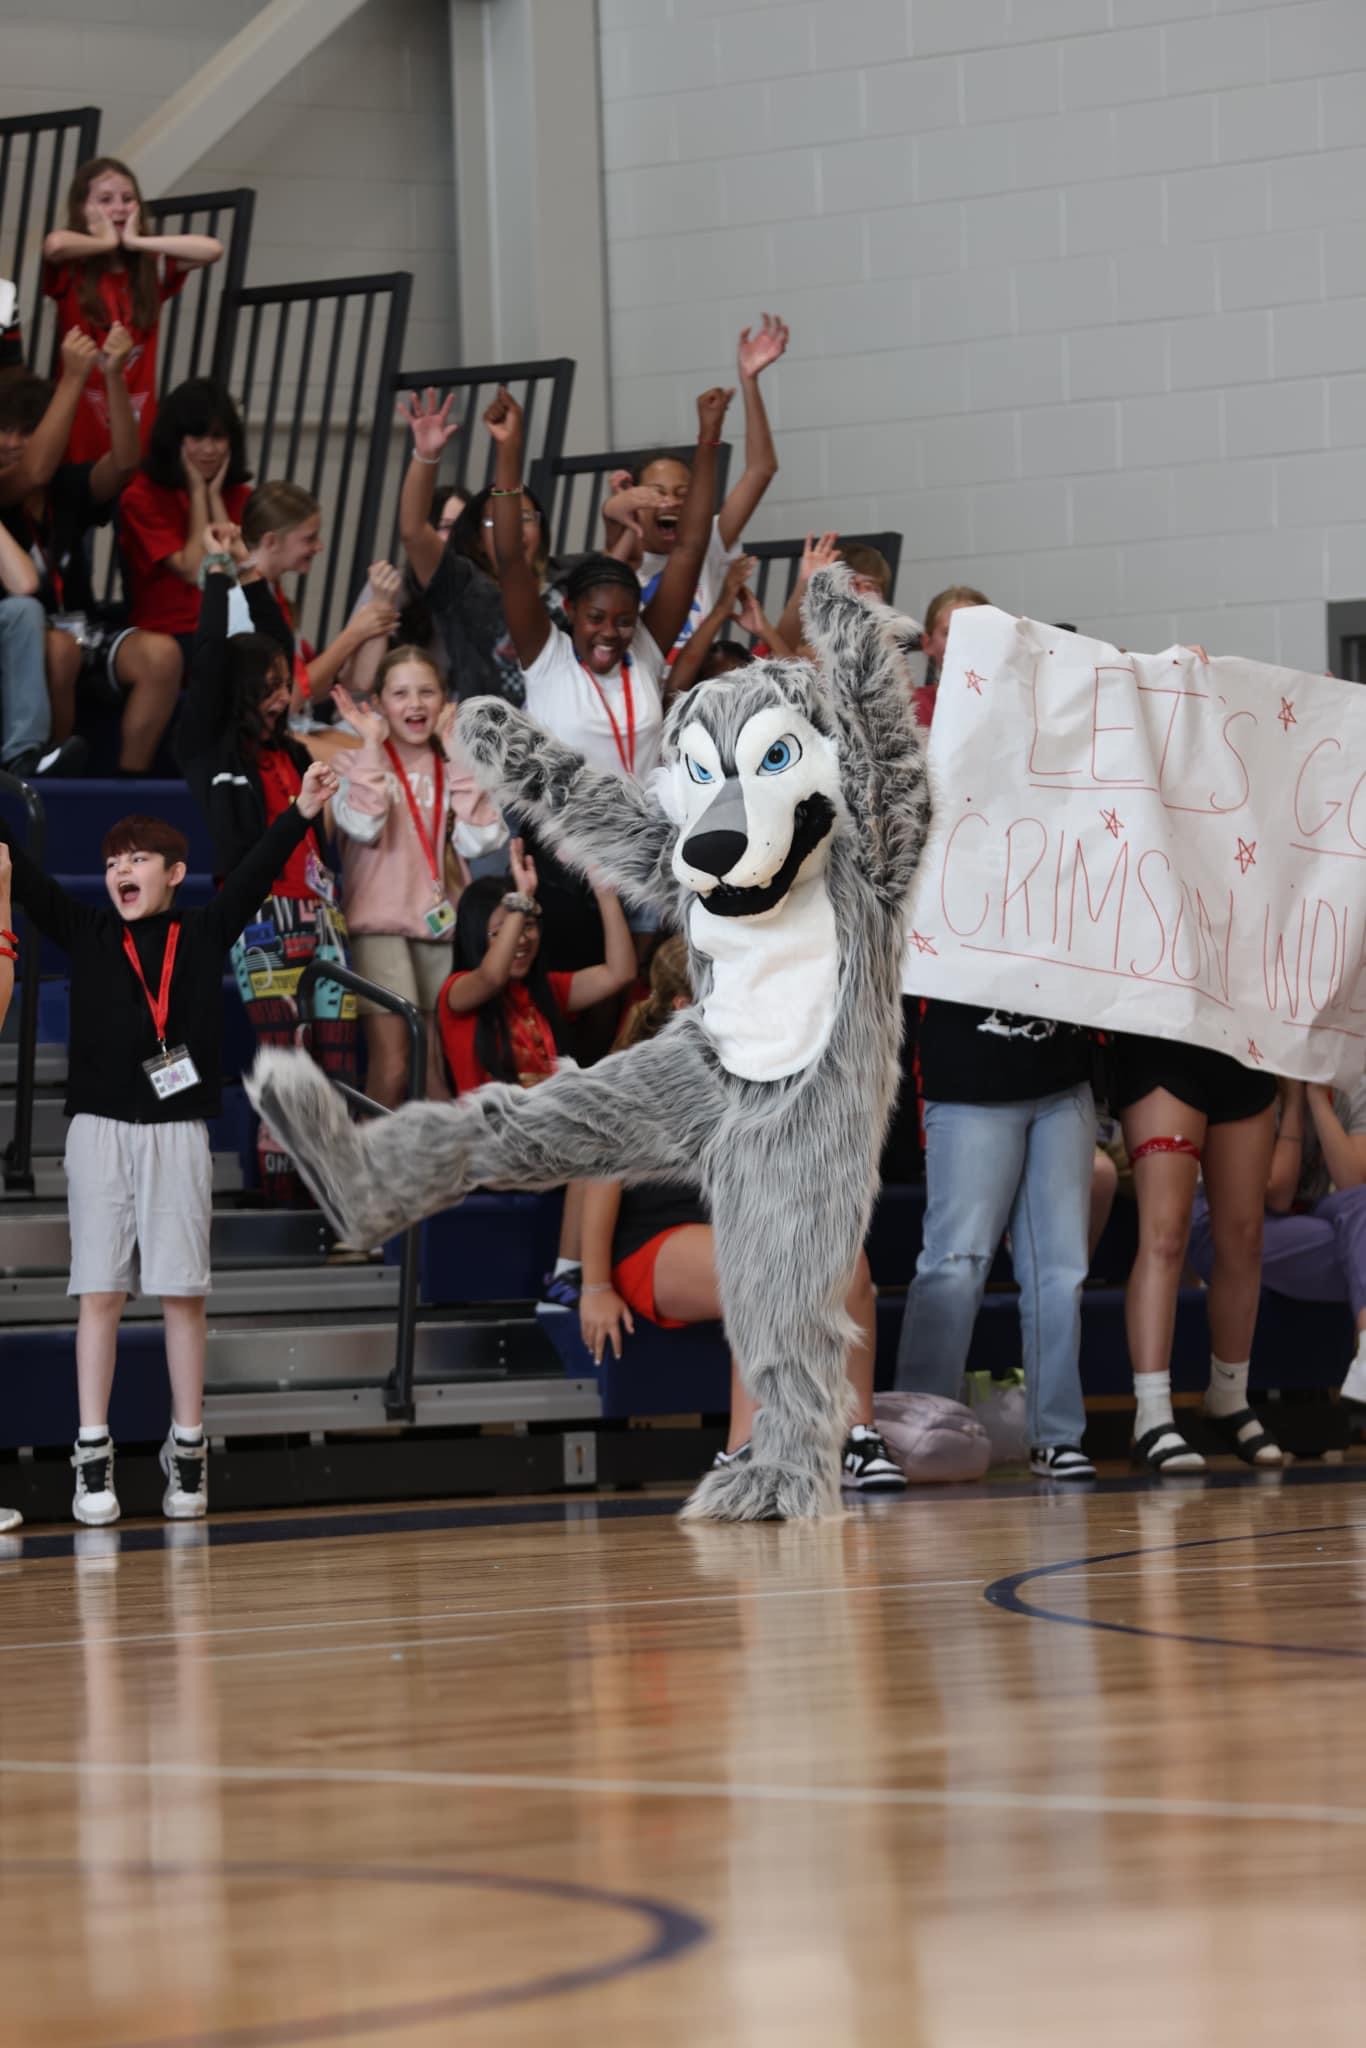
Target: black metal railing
<point>199,324</point>
<point>581,487</point>
<point>780,561</point>
<point>398,1392</point>
<point>542,389</point>
<point>19,1151</point>
<point>313,367</point>
<point>39,156</point>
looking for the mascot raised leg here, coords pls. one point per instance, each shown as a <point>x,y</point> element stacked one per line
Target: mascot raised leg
<point>781,835</point>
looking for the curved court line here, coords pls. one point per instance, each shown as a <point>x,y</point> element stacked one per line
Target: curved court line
<point>670,1933</point>
<point>1005,1593</point>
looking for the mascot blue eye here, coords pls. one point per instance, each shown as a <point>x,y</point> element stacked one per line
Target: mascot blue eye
<point>697,771</point>
<point>782,754</point>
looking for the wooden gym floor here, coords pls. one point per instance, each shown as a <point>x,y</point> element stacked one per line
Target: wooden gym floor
<point>984,1765</point>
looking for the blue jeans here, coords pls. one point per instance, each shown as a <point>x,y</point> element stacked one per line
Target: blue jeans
<point>24,714</point>
<point>1026,1165</point>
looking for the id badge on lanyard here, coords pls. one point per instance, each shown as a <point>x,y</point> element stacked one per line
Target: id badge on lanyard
<point>172,1071</point>
<point>440,918</point>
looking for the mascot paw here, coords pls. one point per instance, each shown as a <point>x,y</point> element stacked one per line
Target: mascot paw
<point>310,1119</point>
<point>755,1492</point>
<point>482,728</point>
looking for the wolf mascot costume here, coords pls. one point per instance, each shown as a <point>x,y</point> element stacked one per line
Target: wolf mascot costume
<point>781,833</point>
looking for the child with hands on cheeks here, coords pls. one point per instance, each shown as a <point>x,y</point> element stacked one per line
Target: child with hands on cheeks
<point>103,270</point>
<point>143,1077</point>
<point>405,797</point>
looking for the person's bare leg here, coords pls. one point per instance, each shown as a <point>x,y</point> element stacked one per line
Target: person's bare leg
<point>1237,1160</point>
<point>187,1330</point>
<point>438,1087</point>
<point>97,1338</point>
<point>386,1059</point>
<point>1104,1182</point>
<point>1164,1183</point>
<point>64,656</point>
<point>571,1223</point>
<point>151,666</point>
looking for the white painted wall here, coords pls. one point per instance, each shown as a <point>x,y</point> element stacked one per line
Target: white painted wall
<point>1077,287</point>
<point>350,154</point>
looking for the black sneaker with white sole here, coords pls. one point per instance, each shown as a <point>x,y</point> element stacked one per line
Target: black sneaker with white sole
<point>868,1466</point>
<point>1060,1461</point>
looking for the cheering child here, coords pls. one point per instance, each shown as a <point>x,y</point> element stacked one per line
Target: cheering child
<point>144,1071</point>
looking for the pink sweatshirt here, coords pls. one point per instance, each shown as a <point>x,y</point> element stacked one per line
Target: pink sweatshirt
<point>386,879</point>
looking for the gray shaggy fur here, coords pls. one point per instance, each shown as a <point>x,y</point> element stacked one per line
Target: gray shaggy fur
<point>788,1167</point>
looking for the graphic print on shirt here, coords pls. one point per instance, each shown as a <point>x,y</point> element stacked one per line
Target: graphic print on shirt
<point>1010,1024</point>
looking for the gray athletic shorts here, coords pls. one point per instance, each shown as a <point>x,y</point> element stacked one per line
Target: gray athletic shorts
<point>138,1196</point>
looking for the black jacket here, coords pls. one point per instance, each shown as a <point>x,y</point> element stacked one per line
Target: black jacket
<point>209,740</point>
<point>111,1023</point>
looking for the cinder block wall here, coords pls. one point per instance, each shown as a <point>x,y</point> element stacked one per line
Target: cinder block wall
<point>1077,287</point>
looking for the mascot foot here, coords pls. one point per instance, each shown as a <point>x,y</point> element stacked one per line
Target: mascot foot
<point>311,1120</point>
<point>755,1492</point>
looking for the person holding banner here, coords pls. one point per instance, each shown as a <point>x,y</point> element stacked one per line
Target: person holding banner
<point>1188,1112</point>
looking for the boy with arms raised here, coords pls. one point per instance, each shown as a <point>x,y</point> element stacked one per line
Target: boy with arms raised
<point>144,1075</point>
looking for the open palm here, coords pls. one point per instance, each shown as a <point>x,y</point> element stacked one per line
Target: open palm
<point>761,345</point>
<point>431,422</point>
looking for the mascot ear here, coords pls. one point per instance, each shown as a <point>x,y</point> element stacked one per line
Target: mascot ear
<point>663,787</point>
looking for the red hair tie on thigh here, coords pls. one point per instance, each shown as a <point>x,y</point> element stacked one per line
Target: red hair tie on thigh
<point>1184,1146</point>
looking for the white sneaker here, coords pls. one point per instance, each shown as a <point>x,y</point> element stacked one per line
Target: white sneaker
<point>1353,1388</point>
<point>10,1518</point>
<point>186,1466</point>
<point>95,1499</point>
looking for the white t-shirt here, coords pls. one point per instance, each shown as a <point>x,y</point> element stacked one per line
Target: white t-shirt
<point>580,708</point>
<point>716,561</point>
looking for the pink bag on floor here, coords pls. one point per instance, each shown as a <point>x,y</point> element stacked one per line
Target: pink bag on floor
<point>934,1440</point>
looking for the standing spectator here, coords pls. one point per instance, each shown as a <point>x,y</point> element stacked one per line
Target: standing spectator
<point>935,639</point>
<point>193,475</point>
<point>104,271</point>
<point>658,517</point>
<point>144,1075</point>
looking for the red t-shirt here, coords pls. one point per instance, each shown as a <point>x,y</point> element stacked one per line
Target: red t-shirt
<point>280,784</point>
<point>62,282</point>
<point>533,1041</point>
<point>154,524</point>
<point>922,704</point>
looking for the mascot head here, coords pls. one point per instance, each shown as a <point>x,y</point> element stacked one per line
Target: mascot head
<point>751,779</point>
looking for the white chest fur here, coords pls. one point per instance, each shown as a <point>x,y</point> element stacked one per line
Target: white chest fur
<point>774,983</point>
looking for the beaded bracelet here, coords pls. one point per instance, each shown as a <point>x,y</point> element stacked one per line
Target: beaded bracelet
<point>527,905</point>
<point>427,461</point>
<point>217,565</point>
<point>514,492</point>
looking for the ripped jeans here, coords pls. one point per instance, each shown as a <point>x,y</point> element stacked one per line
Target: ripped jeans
<point>989,1166</point>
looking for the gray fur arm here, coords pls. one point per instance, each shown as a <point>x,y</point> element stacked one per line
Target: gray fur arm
<point>882,766</point>
<point>603,822</point>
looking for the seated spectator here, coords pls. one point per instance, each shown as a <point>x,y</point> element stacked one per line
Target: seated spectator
<point>24,713</point>
<point>1314,1233</point>
<point>649,1251</point>
<point>408,799</point>
<point>61,505</point>
<point>245,770</point>
<point>193,475</point>
<point>646,521</point>
<point>935,638</point>
<point>456,572</point>
<point>144,1076</point>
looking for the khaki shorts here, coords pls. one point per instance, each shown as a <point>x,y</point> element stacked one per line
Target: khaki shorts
<point>138,1195</point>
<point>413,968</point>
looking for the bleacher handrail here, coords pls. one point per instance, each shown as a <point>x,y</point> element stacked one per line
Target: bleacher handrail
<point>19,1151</point>
<point>398,1395</point>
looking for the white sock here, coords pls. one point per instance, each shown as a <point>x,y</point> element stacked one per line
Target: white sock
<point>93,1433</point>
<point>183,1435</point>
<point>1153,1393</point>
<point>564,1266</point>
<point>1354,1386</point>
<point>1227,1390</point>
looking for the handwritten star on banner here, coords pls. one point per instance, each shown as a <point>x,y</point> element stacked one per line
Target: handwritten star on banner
<point>922,944</point>
<point>974,681</point>
<point>1252,1052</point>
<point>1246,856</point>
<point>1286,714</point>
<point>1112,822</point>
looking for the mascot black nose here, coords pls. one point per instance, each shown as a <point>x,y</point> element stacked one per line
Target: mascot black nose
<point>714,852</point>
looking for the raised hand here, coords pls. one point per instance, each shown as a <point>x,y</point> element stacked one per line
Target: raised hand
<point>367,719</point>
<point>711,411</point>
<point>386,582</point>
<point>374,620</point>
<point>430,421</point>
<point>749,613</point>
<point>503,417</point>
<point>79,353</point>
<point>523,867</point>
<point>626,506</point>
<point>761,346</point>
<point>738,574</point>
<point>818,553</point>
<point>319,784</point>
<point>118,346</point>
<point>221,537</point>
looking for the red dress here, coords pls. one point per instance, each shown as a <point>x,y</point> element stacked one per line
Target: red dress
<point>533,1041</point>
<point>154,524</point>
<point>62,282</point>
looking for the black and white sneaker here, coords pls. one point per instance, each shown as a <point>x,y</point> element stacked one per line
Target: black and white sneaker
<point>95,1500</point>
<point>1060,1461</point>
<point>67,759</point>
<point>185,1462</point>
<point>868,1466</point>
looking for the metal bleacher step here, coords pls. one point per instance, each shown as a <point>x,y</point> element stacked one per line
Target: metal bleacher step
<point>34,1238</point>
<point>49,1178</point>
<point>251,1290</point>
<point>49,1068</point>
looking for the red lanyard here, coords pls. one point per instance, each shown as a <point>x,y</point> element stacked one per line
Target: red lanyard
<point>429,840</point>
<point>160,1009</point>
<point>625,754</point>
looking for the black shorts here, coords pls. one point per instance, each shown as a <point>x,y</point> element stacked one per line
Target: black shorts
<point>1218,1087</point>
